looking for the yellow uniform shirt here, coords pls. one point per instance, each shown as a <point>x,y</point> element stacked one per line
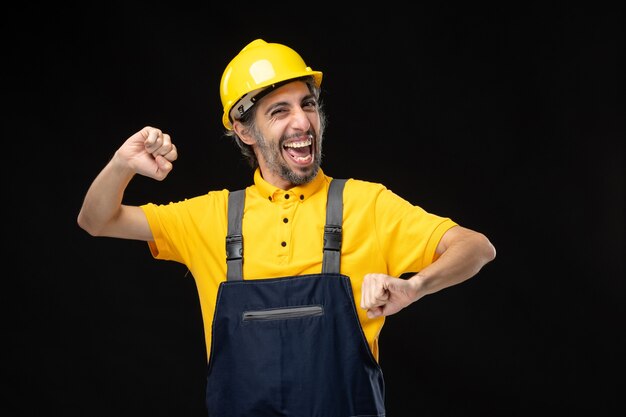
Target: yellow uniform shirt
<point>283,236</point>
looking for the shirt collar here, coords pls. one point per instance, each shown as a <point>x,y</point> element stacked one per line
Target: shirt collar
<point>300,192</point>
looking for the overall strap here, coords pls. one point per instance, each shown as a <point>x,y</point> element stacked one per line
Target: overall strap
<point>332,232</point>
<point>234,238</point>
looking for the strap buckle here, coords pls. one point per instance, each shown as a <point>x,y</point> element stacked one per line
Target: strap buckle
<point>332,238</point>
<point>234,247</point>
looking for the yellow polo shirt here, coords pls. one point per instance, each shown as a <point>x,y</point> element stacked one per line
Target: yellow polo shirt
<point>283,236</point>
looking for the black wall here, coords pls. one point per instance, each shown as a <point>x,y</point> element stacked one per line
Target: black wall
<point>509,120</point>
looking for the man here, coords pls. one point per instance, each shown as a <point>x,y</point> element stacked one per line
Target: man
<point>279,282</point>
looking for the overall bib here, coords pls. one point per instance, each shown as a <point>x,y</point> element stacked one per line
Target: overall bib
<point>290,346</point>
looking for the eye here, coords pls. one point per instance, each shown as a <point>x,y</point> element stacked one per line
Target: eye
<point>309,103</point>
<point>278,110</point>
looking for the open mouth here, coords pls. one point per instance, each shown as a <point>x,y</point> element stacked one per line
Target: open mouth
<point>300,150</point>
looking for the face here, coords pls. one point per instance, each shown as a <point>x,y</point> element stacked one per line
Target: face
<point>286,139</point>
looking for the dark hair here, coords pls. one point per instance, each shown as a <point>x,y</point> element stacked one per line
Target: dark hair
<point>249,123</point>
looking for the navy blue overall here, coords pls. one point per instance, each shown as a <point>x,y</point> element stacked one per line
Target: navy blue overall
<point>291,346</point>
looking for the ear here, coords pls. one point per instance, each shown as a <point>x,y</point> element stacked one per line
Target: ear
<point>243,133</point>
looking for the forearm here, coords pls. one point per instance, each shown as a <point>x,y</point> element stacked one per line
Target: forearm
<point>463,259</point>
<point>103,201</point>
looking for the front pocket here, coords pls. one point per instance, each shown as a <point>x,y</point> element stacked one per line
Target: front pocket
<point>284,313</point>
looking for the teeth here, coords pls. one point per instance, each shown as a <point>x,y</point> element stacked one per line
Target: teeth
<point>300,144</point>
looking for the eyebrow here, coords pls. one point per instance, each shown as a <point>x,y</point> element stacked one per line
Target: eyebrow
<point>285,103</point>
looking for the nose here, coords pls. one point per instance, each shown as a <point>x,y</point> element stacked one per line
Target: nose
<point>300,120</point>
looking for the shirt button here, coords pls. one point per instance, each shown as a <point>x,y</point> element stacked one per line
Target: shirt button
<point>270,197</point>
<point>285,220</point>
<point>301,196</point>
<point>283,244</point>
<point>287,196</point>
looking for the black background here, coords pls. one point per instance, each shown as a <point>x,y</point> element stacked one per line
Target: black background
<point>508,119</point>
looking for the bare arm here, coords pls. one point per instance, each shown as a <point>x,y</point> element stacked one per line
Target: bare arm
<point>463,252</point>
<point>148,152</point>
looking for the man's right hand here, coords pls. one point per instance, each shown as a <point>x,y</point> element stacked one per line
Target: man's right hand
<point>149,152</point>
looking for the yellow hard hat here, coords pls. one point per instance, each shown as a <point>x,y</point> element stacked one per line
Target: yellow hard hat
<point>257,66</point>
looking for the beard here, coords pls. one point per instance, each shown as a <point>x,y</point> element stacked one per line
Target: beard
<point>272,154</point>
